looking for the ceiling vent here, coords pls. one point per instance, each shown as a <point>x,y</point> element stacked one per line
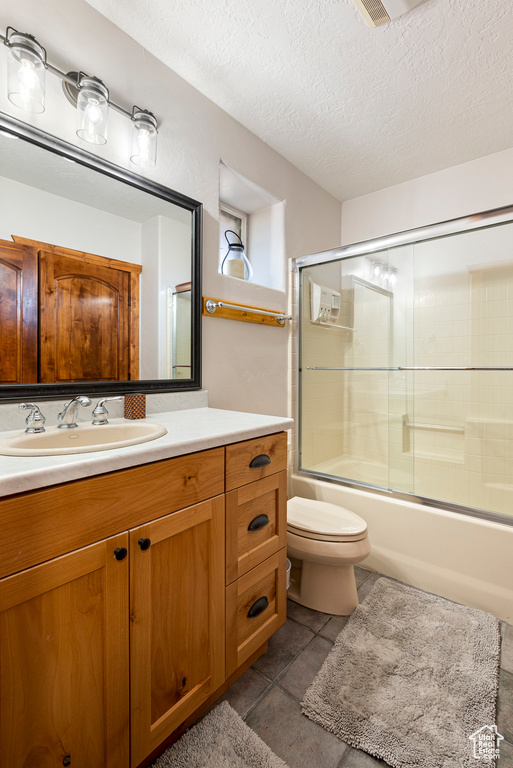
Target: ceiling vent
<point>376,12</point>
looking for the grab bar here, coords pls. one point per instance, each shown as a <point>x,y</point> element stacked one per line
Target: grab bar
<point>438,427</point>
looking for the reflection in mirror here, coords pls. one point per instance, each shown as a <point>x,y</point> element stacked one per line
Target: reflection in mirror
<point>99,274</point>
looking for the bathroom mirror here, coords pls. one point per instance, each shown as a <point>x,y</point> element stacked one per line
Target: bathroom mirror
<point>100,273</point>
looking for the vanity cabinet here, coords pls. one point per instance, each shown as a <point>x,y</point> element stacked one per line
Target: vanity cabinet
<point>128,600</point>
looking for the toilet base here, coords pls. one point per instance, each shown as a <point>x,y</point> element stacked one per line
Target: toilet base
<point>325,588</point>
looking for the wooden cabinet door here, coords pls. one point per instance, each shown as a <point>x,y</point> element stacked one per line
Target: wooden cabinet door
<point>18,314</point>
<point>64,661</point>
<point>177,620</point>
<point>84,320</point>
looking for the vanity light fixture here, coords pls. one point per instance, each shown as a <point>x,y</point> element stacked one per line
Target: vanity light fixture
<point>27,63</point>
<point>92,110</point>
<point>144,138</point>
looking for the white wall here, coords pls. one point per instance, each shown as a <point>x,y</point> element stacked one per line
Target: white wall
<point>161,238</point>
<point>244,365</point>
<point>480,185</point>
<point>30,212</point>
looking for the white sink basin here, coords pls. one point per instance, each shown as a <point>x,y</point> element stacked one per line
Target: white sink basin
<point>83,439</point>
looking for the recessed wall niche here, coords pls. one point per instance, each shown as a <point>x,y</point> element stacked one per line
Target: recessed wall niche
<point>265,227</point>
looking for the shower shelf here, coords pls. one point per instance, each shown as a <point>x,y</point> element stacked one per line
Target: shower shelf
<point>333,325</point>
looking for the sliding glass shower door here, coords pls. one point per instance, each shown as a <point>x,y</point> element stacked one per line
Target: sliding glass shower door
<point>406,368</point>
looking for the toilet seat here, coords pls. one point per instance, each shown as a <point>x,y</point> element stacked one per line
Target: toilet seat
<point>319,520</point>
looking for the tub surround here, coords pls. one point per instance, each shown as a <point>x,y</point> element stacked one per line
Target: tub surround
<point>188,430</point>
<point>462,558</point>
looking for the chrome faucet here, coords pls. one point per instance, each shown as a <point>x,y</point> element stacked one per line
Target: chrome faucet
<point>35,421</point>
<point>100,413</point>
<point>67,418</point>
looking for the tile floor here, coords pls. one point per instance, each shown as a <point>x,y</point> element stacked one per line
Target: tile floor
<point>268,695</point>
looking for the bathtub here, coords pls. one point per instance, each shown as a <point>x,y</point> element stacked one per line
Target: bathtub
<point>462,558</point>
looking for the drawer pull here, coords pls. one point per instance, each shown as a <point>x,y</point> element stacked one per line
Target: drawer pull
<point>144,544</point>
<point>258,607</point>
<point>258,522</point>
<point>260,461</point>
<point>120,553</point>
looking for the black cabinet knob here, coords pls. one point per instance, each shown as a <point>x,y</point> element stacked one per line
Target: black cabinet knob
<point>258,607</point>
<point>258,522</point>
<point>144,544</point>
<point>260,461</point>
<point>67,760</point>
<point>119,553</point>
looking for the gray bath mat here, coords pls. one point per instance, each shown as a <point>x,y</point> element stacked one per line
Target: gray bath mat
<point>221,740</point>
<point>410,678</point>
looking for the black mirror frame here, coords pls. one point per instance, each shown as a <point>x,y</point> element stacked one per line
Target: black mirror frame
<point>16,392</point>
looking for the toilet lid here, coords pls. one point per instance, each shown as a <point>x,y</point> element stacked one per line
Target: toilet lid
<point>326,522</point>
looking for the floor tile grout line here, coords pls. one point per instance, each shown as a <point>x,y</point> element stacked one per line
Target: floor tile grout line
<point>286,667</point>
<point>257,701</point>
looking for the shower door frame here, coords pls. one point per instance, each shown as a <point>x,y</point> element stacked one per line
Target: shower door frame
<point>483,220</point>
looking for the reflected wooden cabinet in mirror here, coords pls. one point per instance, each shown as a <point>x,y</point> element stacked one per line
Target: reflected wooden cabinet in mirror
<point>93,260</point>
<point>79,318</point>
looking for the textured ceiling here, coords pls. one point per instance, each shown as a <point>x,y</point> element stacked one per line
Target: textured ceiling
<point>356,109</point>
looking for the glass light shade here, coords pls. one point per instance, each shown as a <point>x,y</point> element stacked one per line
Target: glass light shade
<point>26,72</point>
<point>92,110</point>
<point>144,139</point>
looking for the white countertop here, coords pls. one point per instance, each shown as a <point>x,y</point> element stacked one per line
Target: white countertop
<point>187,431</point>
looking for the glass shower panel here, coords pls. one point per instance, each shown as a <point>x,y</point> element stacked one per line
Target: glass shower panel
<point>345,356</point>
<point>462,426</point>
<point>401,354</point>
<point>406,364</point>
<point>324,341</point>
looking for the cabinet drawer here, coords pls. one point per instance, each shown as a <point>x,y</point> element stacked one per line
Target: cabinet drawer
<point>256,521</point>
<point>255,608</point>
<point>43,524</point>
<point>254,459</point>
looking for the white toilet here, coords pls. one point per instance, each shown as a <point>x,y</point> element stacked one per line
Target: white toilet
<point>324,542</point>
